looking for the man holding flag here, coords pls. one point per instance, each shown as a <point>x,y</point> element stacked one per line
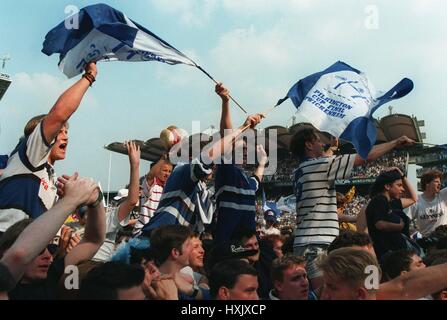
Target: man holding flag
<point>342,102</point>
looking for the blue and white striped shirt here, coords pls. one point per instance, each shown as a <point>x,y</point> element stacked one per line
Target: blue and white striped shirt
<point>185,199</point>
<point>235,200</point>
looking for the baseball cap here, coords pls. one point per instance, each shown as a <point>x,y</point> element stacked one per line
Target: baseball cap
<point>228,250</point>
<point>122,193</point>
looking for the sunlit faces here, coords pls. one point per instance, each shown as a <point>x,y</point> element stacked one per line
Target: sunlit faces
<point>295,285</point>
<point>434,186</point>
<point>197,253</point>
<point>165,172</point>
<point>395,189</point>
<point>58,151</point>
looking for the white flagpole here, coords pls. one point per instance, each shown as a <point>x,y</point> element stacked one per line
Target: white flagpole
<point>108,182</point>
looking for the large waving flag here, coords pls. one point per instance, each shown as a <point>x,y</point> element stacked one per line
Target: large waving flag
<point>107,34</point>
<point>340,100</point>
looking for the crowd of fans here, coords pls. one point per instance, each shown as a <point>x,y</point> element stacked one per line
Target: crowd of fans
<point>374,168</point>
<point>284,172</point>
<point>189,244</point>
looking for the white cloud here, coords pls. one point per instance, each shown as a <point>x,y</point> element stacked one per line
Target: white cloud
<point>268,7</point>
<point>194,13</point>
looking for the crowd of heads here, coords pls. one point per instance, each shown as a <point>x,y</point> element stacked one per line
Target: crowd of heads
<point>109,260</point>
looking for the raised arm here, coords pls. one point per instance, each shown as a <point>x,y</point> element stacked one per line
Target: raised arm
<point>225,118</point>
<point>225,144</point>
<point>415,284</point>
<point>40,232</point>
<point>406,202</point>
<point>95,232</point>
<point>134,186</point>
<point>67,104</point>
<point>383,148</point>
<point>262,156</point>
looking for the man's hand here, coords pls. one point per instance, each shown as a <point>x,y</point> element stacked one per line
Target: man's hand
<point>61,181</point>
<point>253,120</point>
<point>162,288</point>
<point>404,141</point>
<point>395,169</point>
<point>64,240</point>
<point>91,68</point>
<point>81,190</point>
<point>262,155</point>
<point>134,153</point>
<point>223,92</point>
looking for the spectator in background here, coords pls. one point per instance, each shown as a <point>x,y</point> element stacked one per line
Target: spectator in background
<point>388,225</point>
<point>261,261</point>
<point>276,242</point>
<point>113,281</point>
<point>352,239</point>
<point>399,262</point>
<point>430,211</point>
<point>235,191</point>
<point>233,280</point>
<point>27,184</point>
<point>24,247</point>
<point>289,278</point>
<point>128,199</point>
<point>195,207</point>
<point>270,223</point>
<point>314,188</point>
<point>171,246</point>
<point>153,184</point>
<point>345,221</point>
<point>345,278</point>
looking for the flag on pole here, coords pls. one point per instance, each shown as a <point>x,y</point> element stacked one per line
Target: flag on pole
<point>341,101</point>
<point>103,33</point>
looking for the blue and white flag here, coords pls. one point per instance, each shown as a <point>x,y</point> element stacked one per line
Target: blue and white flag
<point>341,101</point>
<point>287,203</point>
<point>104,33</point>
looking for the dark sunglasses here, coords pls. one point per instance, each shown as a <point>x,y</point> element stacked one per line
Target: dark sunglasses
<point>52,249</point>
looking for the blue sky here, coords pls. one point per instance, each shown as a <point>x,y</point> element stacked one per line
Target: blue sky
<point>258,48</point>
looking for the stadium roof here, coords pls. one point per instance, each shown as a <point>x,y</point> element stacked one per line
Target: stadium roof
<point>388,128</point>
<point>5,81</point>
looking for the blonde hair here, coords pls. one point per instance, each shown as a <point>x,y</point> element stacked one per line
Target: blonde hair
<point>32,124</point>
<point>349,265</point>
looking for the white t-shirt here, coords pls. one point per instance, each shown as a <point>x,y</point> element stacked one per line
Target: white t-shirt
<point>430,215</point>
<point>112,226</point>
<point>27,185</point>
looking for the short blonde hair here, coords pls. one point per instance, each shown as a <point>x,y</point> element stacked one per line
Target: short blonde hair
<point>349,265</point>
<point>32,124</point>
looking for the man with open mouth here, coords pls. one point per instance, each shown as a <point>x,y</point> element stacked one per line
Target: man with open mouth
<point>27,185</point>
